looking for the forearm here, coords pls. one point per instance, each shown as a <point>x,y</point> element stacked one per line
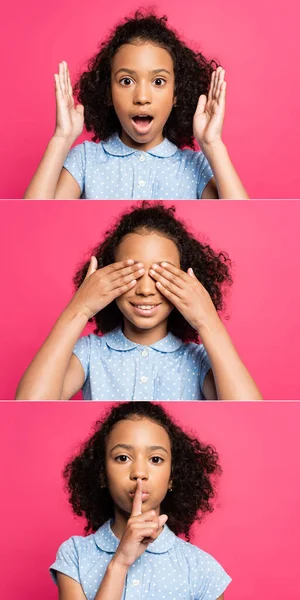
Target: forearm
<point>44,182</point>
<point>228,182</point>
<point>113,582</point>
<point>232,379</point>
<point>44,378</point>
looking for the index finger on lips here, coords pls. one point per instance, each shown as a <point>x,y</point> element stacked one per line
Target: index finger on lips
<point>137,499</point>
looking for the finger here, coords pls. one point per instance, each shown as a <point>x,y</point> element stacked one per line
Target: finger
<point>126,280</point>
<point>176,279</point>
<point>61,78</point>
<point>222,96</point>
<point>66,71</point>
<point>191,273</point>
<point>211,87</point>
<point>162,519</point>
<point>93,266</point>
<point>58,91</point>
<point>126,271</point>
<point>220,81</point>
<point>80,109</point>
<point>171,287</point>
<point>69,85</point>
<point>172,269</point>
<point>173,298</point>
<point>137,499</point>
<point>201,105</point>
<point>117,266</point>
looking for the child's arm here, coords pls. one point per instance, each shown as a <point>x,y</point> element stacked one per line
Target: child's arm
<point>50,179</point>
<point>208,123</point>
<point>232,380</point>
<point>55,373</point>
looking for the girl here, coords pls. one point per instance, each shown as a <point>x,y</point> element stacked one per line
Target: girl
<point>151,288</point>
<point>129,479</point>
<point>146,96</point>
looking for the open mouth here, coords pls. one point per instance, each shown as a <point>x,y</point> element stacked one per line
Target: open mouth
<point>142,123</point>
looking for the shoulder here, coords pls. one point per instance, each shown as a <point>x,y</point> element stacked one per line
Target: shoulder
<point>77,545</point>
<point>208,577</point>
<point>88,150</point>
<point>193,350</point>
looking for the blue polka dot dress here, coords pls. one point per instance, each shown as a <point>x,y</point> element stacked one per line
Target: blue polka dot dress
<point>111,170</point>
<point>170,568</point>
<point>116,368</point>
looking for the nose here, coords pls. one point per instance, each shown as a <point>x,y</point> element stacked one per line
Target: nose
<point>145,285</point>
<point>142,93</point>
<point>139,470</point>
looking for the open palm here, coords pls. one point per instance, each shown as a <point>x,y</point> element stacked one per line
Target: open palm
<point>69,118</point>
<point>210,111</point>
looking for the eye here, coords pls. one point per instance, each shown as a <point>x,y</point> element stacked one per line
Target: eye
<point>122,458</point>
<point>126,81</point>
<point>156,460</point>
<point>159,81</point>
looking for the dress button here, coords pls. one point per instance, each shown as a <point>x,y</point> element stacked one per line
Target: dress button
<point>145,353</point>
<point>142,158</point>
<point>136,582</point>
<point>144,379</point>
<point>141,183</point>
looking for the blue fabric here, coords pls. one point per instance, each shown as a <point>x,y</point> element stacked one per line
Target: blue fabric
<point>117,369</point>
<point>113,171</point>
<point>169,568</point>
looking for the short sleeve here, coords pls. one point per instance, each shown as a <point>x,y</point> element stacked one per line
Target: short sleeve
<point>75,163</point>
<point>204,174</point>
<point>204,366</point>
<point>211,580</point>
<point>82,350</point>
<point>66,561</point>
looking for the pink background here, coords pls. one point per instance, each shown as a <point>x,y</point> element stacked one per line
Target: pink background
<point>253,532</point>
<point>257,42</point>
<point>43,242</point>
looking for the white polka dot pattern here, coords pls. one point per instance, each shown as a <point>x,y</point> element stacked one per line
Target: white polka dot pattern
<point>170,569</point>
<point>112,171</point>
<point>118,369</point>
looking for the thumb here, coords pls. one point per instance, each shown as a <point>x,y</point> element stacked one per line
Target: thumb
<point>92,266</point>
<point>80,109</point>
<point>201,105</point>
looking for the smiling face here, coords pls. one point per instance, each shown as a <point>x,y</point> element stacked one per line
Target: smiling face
<point>138,448</point>
<point>142,89</point>
<point>144,308</point>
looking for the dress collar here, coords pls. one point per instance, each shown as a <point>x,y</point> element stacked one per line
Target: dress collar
<point>117,341</point>
<point>107,541</point>
<point>113,145</point>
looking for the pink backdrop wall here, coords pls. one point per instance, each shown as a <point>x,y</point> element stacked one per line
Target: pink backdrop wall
<point>41,243</point>
<point>253,531</point>
<point>256,41</point>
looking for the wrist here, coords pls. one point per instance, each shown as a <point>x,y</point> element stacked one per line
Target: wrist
<point>209,325</point>
<point>76,314</point>
<point>211,149</point>
<point>117,568</point>
<point>61,141</point>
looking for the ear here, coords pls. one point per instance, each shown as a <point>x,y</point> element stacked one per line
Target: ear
<point>170,486</point>
<point>174,101</point>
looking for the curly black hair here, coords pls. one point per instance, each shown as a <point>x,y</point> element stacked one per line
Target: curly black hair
<point>195,471</point>
<point>211,268</point>
<point>191,69</point>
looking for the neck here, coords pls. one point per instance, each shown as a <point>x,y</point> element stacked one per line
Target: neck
<point>144,337</point>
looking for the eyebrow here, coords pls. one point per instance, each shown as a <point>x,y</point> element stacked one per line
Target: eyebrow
<point>129,447</point>
<point>131,72</point>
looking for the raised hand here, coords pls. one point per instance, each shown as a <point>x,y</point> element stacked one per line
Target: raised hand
<point>187,294</point>
<point>69,118</point>
<point>210,111</point>
<point>102,286</point>
<point>141,530</point>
